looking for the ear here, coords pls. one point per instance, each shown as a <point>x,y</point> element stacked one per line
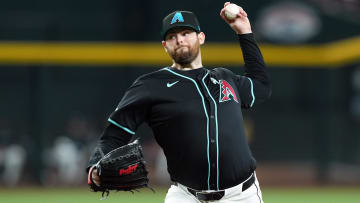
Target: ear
<point>163,43</point>
<point>201,37</point>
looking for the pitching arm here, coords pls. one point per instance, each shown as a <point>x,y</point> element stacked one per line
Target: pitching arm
<point>255,85</point>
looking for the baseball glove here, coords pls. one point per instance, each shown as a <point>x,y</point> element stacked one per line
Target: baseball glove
<point>122,169</point>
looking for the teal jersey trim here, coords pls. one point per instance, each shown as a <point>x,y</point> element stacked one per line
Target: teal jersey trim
<point>120,126</point>
<point>252,93</point>
<point>206,114</point>
<point>217,132</point>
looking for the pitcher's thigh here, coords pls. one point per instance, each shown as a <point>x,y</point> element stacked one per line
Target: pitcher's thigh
<point>251,195</point>
<point>178,195</point>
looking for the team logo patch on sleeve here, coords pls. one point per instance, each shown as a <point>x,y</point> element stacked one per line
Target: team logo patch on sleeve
<point>226,92</point>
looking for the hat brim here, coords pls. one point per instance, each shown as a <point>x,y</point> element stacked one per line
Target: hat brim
<point>180,26</point>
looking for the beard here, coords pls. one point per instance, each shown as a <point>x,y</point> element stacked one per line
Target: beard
<point>184,55</point>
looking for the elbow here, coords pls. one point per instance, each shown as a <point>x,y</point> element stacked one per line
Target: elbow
<point>269,91</point>
<point>266,92</point>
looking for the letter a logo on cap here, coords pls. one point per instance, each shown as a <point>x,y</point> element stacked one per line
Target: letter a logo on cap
<point>177,18</point>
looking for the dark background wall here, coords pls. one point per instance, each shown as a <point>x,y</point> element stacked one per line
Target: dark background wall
<point>312,117</point>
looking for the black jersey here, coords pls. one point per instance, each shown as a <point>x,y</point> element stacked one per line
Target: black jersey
<point>196,118</point>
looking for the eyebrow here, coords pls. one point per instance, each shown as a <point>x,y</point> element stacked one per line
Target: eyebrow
<point>180,30</point>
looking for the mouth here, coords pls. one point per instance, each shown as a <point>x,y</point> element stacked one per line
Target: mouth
<point>179,48</point>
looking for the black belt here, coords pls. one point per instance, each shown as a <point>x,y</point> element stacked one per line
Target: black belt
<point>217,195</point>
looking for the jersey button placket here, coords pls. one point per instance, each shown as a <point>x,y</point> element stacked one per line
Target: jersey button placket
<point>213,144</point>
<point>212,136</point>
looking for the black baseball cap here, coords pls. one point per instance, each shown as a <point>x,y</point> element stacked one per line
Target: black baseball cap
<point>179,19</point>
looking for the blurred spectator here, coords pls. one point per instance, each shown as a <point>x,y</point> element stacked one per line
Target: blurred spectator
<point>156,162</point>
<point>69,154</point>
<point>288,22</point>
<point>348,9</point>
<point>12,155</point>
<point>161,176</point>
<point>14,161</point>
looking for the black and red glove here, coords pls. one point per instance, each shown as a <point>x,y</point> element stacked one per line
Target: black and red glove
<point>122,169</point>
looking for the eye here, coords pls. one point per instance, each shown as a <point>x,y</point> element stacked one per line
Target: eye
<point>170,37</point>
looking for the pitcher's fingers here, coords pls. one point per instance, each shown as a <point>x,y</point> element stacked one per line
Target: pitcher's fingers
<point>94,174</point>
<point>243,13</point>
<point>96,177</point>
<point>222,14</point>
<point>96,180</point>
<point>222,11</point>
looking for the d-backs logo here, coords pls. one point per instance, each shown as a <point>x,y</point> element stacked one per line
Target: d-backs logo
<point>178,18</point>
<point>226,91</point>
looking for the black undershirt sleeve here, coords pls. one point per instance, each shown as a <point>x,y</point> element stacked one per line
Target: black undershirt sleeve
<point>257,80</point>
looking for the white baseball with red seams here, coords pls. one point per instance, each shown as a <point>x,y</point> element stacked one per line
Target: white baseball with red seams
<point>231,11</point>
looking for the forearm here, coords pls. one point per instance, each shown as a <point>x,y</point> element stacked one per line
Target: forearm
<point>255,67</point>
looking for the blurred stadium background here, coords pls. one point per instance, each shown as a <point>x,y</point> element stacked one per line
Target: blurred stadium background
<point>64,66</point>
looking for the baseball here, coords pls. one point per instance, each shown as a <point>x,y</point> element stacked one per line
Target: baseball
<point>231,11</point>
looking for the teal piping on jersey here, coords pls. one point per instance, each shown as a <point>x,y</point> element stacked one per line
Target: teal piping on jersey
<point>217,132</point>
<point>252,92</point>
<point>120,126</point>
<point>206,114</point>
<point>220,91</point>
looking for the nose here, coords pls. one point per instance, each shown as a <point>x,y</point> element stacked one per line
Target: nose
<point>179,38</point>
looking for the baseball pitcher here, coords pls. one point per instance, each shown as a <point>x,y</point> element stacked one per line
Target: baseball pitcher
<point>196,116</point>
